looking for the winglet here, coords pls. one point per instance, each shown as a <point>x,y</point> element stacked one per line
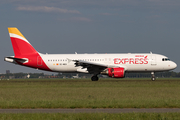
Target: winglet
<point>69,60</point>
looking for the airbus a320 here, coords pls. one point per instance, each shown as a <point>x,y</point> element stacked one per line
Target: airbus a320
<point>112,65</point>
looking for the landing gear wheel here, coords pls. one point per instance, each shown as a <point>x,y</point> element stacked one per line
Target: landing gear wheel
<point>94,78</point>
<point>153,78</point>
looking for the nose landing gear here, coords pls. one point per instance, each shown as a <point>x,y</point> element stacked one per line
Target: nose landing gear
<point>153,78</point>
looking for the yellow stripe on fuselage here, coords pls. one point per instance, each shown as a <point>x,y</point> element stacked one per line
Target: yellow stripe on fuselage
<point>15,31</point>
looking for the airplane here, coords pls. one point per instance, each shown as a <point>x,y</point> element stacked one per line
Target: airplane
<point>112,65</point>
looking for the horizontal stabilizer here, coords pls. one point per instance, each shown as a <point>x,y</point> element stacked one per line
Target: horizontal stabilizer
<point>13,59</point>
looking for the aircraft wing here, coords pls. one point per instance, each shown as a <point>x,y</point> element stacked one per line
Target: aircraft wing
<point>92,68</point>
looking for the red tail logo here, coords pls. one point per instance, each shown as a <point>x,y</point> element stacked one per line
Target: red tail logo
<point>23,49</point>
<point>20,44</point>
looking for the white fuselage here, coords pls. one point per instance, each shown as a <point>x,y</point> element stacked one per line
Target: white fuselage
<point>130,62</point>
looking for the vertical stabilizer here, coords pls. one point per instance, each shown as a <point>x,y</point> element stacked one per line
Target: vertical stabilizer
<point>20,44</point>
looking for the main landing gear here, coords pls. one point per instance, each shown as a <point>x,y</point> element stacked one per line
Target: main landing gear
<point>94,78</point>
<point>153,78</point>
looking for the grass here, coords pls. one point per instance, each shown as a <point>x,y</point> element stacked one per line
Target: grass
<point>83,93</point>
<point>91,116</point>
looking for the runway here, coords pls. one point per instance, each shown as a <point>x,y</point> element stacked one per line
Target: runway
<point>98,110</point>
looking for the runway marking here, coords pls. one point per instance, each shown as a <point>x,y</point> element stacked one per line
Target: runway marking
<point>98,110</point>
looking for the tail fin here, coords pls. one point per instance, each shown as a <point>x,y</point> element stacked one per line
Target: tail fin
<point>20,44</point>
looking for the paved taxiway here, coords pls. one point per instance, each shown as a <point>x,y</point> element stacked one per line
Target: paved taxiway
<point>98,110</point>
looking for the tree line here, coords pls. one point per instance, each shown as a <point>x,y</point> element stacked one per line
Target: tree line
<point>81,75</point>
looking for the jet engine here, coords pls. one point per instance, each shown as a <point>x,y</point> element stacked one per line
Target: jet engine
<point>114,72</point>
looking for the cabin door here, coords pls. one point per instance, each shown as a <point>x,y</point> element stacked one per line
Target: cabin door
<point>153,60</point>
<point>39,61</point>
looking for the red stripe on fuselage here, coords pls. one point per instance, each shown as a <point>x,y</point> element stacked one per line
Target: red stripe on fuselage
<point>34,61</point>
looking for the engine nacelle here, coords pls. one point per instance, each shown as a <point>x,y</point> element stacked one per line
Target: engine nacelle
<point>114,72</point>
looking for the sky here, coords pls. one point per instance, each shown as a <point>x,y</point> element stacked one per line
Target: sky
<point>91,26</point>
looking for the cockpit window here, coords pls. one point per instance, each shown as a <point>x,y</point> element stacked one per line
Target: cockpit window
<point>165,59</point>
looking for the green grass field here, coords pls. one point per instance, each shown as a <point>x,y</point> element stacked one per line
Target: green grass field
<point>91,116</point>
<point>83,93</point>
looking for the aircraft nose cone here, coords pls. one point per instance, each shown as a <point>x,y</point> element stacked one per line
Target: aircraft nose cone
<point>174,65</point>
